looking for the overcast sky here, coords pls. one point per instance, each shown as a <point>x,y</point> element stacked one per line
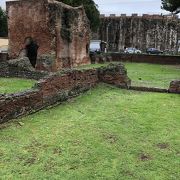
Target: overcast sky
<point>124,6</point>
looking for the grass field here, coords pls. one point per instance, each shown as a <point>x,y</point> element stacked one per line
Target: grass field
<point>13,85</point>
<point>141,74</point>
<point>149,75</point>
<point>106,133</point>
<point>152,75</point>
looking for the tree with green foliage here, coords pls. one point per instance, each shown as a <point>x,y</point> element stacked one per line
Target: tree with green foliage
<point>172,6</point>
<point>3,23</point>
<point>91,9</point>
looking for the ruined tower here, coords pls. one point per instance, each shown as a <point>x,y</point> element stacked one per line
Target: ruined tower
<point>61,32</point>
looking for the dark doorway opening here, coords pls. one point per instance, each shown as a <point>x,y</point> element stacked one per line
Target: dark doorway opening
<point>31,50</point>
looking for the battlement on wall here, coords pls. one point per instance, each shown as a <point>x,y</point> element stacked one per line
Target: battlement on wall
<point>146,16</point>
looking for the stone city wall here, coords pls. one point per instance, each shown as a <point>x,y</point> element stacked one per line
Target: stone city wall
<point>142,32</point>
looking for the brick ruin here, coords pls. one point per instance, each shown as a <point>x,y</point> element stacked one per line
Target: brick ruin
<point>59,87</point>
<point>61,32</point>
<point>174,87</point>
<point>156,31</point>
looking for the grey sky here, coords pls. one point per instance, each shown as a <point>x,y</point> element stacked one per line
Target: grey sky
<point>130,6</point>
<point>124,6</point>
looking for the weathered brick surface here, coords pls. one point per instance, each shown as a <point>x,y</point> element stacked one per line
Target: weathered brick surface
<point>7,70</point>
<point>175,87</point>
<point>4,69</point>
<point>59,87</point>
<point>28,19</point>
<point>12,106</point>
<point>115,75</point>
<point>57,28</point>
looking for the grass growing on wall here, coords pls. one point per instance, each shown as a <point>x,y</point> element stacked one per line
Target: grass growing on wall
<point>106,133</point>
<point>14,85</point>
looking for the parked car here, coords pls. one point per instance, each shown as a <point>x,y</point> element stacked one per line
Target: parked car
<point>95,46</point>
<point>132,51</point>
<point>154,51</point>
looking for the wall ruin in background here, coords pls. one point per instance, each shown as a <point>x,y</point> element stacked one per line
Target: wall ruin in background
<point>147,31</point>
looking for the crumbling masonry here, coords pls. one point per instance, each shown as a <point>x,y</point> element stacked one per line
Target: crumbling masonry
<point>61,32</point>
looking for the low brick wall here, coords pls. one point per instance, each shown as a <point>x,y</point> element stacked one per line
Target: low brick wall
<point>148,89</point>
<point>175,87</point>
<point>15,105</point>
<point>4,69</point>
<point>59,87</point>
<point>20,73</point>
<point>139,58</point>
<point>115,75</point>
<point>9,71</point>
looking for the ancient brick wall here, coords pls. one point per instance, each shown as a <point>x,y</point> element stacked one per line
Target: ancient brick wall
<point>61,31</point>
<point>143,32</point>
<point>61,87</point>
<point>72,34</point>
<point>28,19</point>
<point>12,106</point>
<point>115,75</point>
<point>57,88</point>
<point>174,87</point>
<point>7,70</point>
<point>4,69</point>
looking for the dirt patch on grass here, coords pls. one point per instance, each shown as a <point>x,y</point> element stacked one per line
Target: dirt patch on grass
<point>50,165</point>
<point>73,168</point>
<point>35,147</point>
<point>30,161</point>
<point>111,138</point>
<point>128,173</point>
<point>163,145</point>
<point>57,151</point>
<point>144,157</point>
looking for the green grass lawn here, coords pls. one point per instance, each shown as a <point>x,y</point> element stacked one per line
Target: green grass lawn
<point>152,75</point>
<point>13,85</point>
<point>106,133</point>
